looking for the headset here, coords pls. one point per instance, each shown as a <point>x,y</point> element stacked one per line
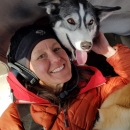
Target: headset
<point>17,68</point>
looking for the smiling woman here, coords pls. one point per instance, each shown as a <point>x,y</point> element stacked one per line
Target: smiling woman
<point>59,94</point>
<point>53,62</point>
<point>41,60</point>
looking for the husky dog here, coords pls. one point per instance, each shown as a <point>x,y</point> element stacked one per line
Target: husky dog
<point>76,23</point>
<point>114,113</point>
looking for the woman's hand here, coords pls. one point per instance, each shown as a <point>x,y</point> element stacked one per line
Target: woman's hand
<point>101,46</point>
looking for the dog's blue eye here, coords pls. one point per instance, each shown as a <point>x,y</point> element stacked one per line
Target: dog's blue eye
<point>71,21</point>
<point>91,22</point>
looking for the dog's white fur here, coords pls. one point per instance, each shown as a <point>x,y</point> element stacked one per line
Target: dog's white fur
<point>78,35</point>
<point>114,113</point>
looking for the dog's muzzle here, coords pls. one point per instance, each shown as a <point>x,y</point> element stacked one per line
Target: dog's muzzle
<point>86,45</point>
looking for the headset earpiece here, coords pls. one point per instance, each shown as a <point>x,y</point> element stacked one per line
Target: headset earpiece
<point>24,72</point>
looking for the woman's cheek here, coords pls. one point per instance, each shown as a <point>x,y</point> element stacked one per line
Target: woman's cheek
<point>64,55</point>
<point>43,67</point>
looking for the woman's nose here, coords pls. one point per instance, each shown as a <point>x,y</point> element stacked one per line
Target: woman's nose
<point>54,58</point>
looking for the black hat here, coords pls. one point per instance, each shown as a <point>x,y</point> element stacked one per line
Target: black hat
<point>29,41</point>
<point>21,46</point>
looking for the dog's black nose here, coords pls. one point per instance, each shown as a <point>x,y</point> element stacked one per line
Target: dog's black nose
<point>86,45</point>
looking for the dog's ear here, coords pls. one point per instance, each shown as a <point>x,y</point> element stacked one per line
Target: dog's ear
<point>51,6</point>
<point>104,11</point>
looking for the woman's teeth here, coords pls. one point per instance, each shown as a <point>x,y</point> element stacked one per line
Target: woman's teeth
<point>58,69</point>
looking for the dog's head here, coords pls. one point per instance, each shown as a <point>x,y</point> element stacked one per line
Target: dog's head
<point>76,23</point>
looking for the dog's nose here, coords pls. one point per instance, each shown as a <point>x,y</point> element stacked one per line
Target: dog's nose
<point>86,45</point>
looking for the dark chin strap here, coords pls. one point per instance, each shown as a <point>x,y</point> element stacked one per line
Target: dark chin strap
<point>67,92</point>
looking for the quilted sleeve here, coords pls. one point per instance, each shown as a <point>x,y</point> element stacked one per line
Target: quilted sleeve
<point>120,61</point>
<point>9,120</point>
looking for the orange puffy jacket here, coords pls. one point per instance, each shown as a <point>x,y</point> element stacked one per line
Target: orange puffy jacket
<point>82,112</point>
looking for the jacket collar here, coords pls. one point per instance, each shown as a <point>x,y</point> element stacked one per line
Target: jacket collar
<point>96,80</point>
<point>21,93</point>
<point>25,96</point>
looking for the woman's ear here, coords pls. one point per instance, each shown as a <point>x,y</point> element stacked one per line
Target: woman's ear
<point>41,83</point>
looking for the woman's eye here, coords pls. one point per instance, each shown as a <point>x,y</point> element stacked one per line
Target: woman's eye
<point>91,22</point>
<point>56,49</point>
<point>71,21</point>
<point>41,56</point>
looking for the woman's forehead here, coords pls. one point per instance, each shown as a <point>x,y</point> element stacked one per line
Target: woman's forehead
<point>44,44</point>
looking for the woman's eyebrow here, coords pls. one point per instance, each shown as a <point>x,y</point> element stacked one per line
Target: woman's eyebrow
<point>37,52</point>
<point>55,43</point>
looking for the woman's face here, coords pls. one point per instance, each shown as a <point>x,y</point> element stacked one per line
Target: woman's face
<point>50,63</point>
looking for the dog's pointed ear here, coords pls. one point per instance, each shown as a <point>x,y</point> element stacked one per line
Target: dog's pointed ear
<point>51,6</point>
<point>104,11</point>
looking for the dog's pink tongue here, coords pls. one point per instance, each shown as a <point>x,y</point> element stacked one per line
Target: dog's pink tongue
<point>81,57</point>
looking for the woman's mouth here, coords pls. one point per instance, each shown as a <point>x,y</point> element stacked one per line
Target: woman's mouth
<point>58,69</point>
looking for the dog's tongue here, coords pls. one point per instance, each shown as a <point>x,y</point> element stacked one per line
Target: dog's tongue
<point>81,57</point>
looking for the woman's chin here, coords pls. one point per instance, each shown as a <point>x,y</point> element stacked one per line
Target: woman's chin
<point>66,78</point>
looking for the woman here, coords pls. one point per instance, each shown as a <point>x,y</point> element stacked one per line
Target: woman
<point>62,95</point>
